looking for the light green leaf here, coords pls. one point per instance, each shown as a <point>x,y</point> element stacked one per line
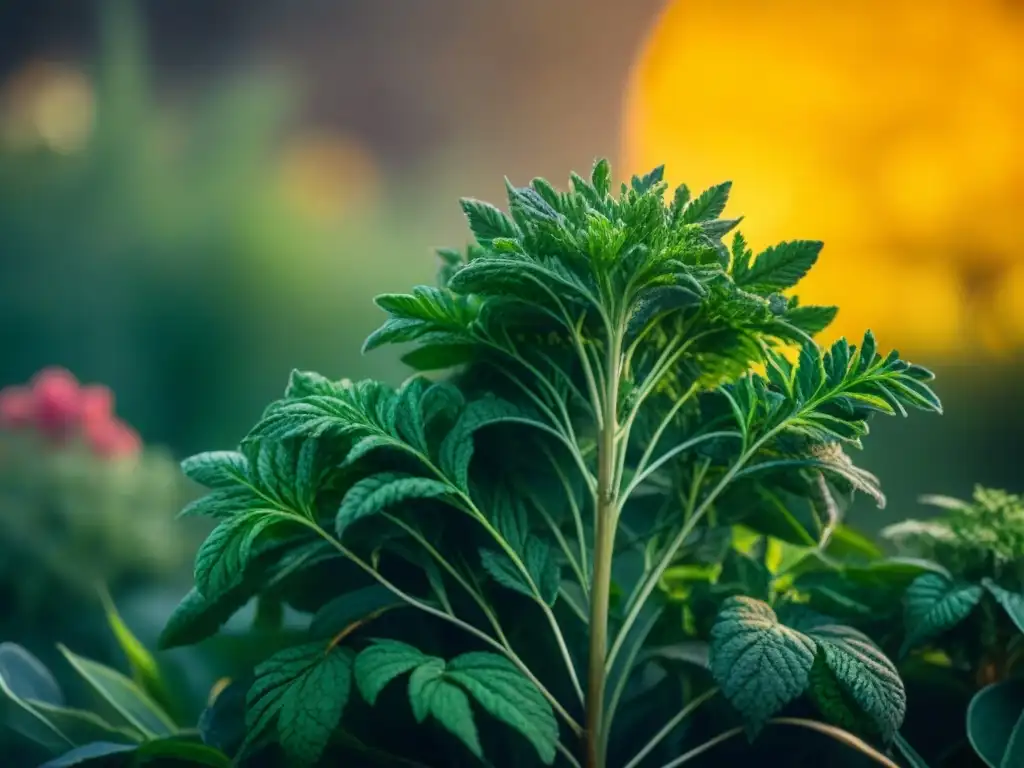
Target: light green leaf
<point>995,724</point>
<point>502,691</point>
<point>457,448</point>
<point>305,689</point>
<point>760,664</point>
<point>144,668</point>
<point>601,176</point>
<point>127,699</point>
<point>216,469</point>
<point>935,604</point>
<point>376,493</point>
<point>857,681</point>
<point>1012,602</point>
<point>382,662</point>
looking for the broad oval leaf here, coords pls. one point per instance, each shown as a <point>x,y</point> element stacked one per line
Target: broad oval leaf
<point>760,664</point>
<point>1012,602</point>
<point>995,724</point>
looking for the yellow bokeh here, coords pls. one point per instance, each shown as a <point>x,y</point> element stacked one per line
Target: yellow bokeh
<point>893,131</point>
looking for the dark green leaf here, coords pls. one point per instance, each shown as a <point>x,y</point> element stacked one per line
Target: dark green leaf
<point>376,493</point>
<point>432,695</point>
<point>994,723</point>
<point>487,222</point>
<point>503,692</point>
<point>759,663</point>
<point>457,449</point>
<point>180,751</point>
<point>708,205</point>
<point>381,663</point>
<point>350,607</point>
<point>541,564</point>
<point>216,469</point>
<point>305,689</point>
<point>935,604</point>
<point>1012,602</point>
<point>781,266</point>
<point>90,754</point>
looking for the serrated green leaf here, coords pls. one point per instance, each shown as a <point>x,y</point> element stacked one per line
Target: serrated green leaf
<point>502,691</point>
<point>862,676</point>
<point>456,450</point>
<point>1012,602</point>
<point>781,266</point>
<point>642,184</point>
<point>305,690</point>
<point>431,695</point>
<point>376,493</point>
<point>222,558</point>
<point>935,604</point>
<point>216,469</point>
<point>540,562</point>
<point>225,502</point>
<point>306,383</point>
<point>487,222</point>
<point>760,664</point>
<point>601,177</point>
<point>128,700</point>
<point>382,662</point>
<point>811,319</point>
<point>708,205</point>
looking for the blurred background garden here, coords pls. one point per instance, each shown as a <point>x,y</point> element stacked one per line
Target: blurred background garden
<point>197,197</point>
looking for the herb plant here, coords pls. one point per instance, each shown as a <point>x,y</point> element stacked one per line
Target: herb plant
<point>628,400</point>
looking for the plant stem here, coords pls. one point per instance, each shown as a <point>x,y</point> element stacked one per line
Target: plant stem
<point>605,503</point>
<point>669,727</point>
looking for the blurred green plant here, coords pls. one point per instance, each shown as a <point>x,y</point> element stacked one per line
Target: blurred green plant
<point>81,502</point>
<point>129,724</point>
<point>162,248</point>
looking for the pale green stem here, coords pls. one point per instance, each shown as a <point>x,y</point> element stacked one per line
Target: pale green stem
<point>843,737</point>
<point>578,610</point>
<point>670,726</point>
<point>620,685</point>
<point>562,543</point>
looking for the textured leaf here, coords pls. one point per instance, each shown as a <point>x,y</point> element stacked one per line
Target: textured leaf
<point>760,664</point>
<point>861,675</point>
<point>305,690</point>
<point>935,604</point>
<point>1012,602</point>
<point>487,222</point>
<point>502,691</point>
<point>457,449</point>
<point>781,266</point>
<point>382,662</point>
<point>376,493</point>
<point>127,699</point>
<point>708,205</point>
<point>216,469</point>
<point>601,176</point>
<point>222,558</point>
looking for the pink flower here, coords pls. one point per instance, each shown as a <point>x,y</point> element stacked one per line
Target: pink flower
<point>17,407</point>
<point>57,402</point>
<point>111,438</point>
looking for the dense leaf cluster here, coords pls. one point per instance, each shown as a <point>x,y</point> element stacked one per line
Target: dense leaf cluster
<point>637,461</point>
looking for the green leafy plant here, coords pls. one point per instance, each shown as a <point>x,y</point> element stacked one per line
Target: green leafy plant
<point>966,619</point>
<point>129,725</point>
<point>563,551</point>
